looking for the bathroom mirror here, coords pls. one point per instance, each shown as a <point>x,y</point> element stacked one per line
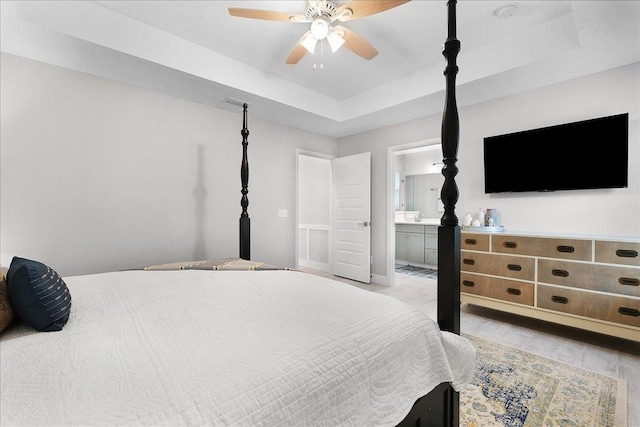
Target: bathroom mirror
<point>422,193</point>
<point>412,191</point>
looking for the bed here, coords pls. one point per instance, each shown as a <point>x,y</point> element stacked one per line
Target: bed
<point>239,342</point>
<point>227,347</point>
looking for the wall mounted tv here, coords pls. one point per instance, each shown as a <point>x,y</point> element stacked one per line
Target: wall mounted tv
<point>589,154</point>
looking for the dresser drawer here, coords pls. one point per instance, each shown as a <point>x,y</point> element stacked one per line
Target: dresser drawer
<point>498,265</point>
<point>503,289</point>
<point>618,309</point>
<point>542,246</point>
<point>475,241</point>
<point>618,252</point>
<point>605,278</point>
<point>410,228</point>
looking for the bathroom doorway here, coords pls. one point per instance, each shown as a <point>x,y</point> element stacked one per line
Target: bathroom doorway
<point>414,180</point>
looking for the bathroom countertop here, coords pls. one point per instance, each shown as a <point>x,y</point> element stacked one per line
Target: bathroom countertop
<point>423,221</point>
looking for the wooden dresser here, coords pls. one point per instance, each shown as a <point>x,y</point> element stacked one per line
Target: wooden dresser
<point>588,283</point>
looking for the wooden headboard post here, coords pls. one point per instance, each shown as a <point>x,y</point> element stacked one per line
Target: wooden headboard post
<point>449,230</point>
<point>245,221</point>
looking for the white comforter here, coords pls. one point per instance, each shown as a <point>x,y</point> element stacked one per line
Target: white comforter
<point>226,348</point>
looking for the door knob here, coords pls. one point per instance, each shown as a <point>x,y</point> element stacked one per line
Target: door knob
<point>364,224</point>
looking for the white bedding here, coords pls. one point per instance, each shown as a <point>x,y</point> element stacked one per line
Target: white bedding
<point>226,348</point>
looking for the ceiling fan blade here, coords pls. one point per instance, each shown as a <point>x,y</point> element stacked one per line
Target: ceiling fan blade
<point>268,15</point>
<point>298,51</point>
<point>357,44</point>
<point>362,8</point>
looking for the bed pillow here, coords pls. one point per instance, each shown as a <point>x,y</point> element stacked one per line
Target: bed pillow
<point>38,295</point>
<point>6,312</point>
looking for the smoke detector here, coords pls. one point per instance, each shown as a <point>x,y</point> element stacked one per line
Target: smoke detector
<point>506,11</point>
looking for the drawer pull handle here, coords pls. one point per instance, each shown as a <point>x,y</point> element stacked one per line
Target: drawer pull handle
<point>471,241</point>
<point>468,283</point>
<point>566,249</point>
<point>514,291</point>
<point>628,281</point>
<point>514,267</point>
<point>468,261</point>
<point>560,273</point>
<point>627,253</point>
<point>626,311</point>
<point>510,245</point>
<point>560,300</point>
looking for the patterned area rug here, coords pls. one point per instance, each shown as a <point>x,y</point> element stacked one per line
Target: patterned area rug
<point>518,389</point>
<point>429,273</point>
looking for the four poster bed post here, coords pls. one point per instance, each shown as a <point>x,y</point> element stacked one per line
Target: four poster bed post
<point>441,407</point>
<point>245,221</point>
<point>449,230</point>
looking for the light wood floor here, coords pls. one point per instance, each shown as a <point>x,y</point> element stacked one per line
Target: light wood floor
<point>606,355</point>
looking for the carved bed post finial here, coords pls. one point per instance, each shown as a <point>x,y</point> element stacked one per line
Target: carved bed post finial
<point>245,221</point>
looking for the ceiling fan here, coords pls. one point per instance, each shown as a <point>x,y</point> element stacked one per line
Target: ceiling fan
<point>322,14</point>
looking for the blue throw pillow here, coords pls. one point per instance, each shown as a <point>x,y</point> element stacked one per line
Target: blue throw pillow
<point>38,295</point>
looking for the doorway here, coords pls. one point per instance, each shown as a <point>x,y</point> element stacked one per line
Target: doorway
<point>333,214</point>
<point>313,210</point>
<point>397,193</point>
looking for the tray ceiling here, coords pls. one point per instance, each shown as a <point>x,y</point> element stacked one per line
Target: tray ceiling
<point>197,51</point>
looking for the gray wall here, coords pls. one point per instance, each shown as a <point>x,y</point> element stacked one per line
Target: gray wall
<point>613,212</point>
<point>99,176</point>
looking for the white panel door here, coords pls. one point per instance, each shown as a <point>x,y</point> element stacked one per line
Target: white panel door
<point>351,219</point>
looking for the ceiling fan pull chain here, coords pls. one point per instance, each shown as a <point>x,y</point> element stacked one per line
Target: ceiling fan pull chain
<point>315,67</point>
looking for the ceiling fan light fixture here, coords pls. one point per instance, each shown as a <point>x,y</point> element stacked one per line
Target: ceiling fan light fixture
<point>335,40</point>
<point>319,28</point>
<point>309,42</point>
<point>321,14</point>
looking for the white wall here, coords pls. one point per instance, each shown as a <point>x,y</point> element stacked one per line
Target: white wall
<point>424,162</point>
<point>99,176</point>
<point>613,212</point>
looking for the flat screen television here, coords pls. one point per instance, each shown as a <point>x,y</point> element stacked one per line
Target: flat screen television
<point>589,154</point>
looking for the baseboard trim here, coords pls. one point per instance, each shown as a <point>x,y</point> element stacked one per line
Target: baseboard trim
<point>380,280</point>
<point>314,265</point>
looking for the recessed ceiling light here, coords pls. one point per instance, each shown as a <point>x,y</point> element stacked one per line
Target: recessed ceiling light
<point>506,11</point>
